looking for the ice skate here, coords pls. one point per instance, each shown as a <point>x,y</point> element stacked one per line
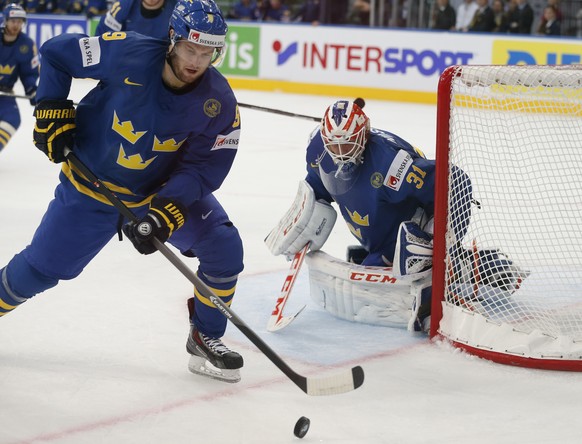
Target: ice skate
<point>210,357</point>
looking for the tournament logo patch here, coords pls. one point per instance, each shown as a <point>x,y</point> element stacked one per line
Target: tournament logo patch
<point>23,49</point>
<point>212,107</point>
<point>376,180</point>
<point>398,168</point>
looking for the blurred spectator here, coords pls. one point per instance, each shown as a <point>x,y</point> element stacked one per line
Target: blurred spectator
<point>309,12</point>
<point>465,13</point>
<point>521,19</point>
<point>76,6</point>
<point>275,11</point>
<point>556,5</point>
<point>444,16</point>
<point>96,7</point>
<point>148,17</point>
<point>338,11</point>
<point>37,6</point>
<point>500,16</point>
<point>484,19</point>
<point>550,25</point>
<point>244,10</point>
<point>60,6</point>
<point>359,13</point>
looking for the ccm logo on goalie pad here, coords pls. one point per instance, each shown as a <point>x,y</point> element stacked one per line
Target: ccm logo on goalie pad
<point>397,170</point>
<point>373,278</point>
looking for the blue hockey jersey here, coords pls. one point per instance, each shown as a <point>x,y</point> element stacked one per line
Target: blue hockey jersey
<point>375,197</point>
<point>128,15</point>
<point>135,133</point>
<point>18,59</point>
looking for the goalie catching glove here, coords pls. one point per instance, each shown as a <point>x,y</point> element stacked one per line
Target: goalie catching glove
<point>163,218</point>
<point>307,221</point>
<point>55,128</point>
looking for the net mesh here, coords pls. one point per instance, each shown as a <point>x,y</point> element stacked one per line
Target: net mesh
<point>514,256</point>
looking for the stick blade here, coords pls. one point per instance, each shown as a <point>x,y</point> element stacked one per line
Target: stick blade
<point>336,384</point>
<point>278,323</point>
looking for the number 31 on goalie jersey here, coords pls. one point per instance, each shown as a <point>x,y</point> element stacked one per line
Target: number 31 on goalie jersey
<point>416,177</point>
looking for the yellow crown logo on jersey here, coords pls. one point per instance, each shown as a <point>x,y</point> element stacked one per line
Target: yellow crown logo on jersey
<point>167,146</point>
<point>355,231</point>
<point>357,219</point>
<point>133,162</point>
<point>7,69</point>
<point>125,129</point>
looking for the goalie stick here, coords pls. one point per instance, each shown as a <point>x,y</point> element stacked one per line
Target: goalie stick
<point>277,321</point>
<point>345,381</point>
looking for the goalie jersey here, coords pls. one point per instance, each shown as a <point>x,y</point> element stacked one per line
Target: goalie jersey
<point>137,135</point>
<point>130,15</point>
<point>393,181</point>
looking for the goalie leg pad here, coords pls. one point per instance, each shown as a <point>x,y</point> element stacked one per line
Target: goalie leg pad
<point>307,221</point>
<point>421,306</point>
<point>369,295</point>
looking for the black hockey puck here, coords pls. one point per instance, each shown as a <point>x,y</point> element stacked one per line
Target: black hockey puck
<point>301,427</point>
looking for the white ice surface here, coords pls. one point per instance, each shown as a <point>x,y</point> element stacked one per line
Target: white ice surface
<point>101,359</point>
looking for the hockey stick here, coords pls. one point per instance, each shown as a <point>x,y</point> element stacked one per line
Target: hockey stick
<point>277,321</point>
<point>328,385</point>
<point>278,111</point>
<point>359,101</point>
<point>16,96</point>
<point>242,105</point>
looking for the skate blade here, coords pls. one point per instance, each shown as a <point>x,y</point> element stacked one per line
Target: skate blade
<point>200,366</point>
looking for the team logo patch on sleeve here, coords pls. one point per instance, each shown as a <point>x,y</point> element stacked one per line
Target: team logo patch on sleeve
<point>90,51</point>
<point>229,142</point>
<point>398,168</point>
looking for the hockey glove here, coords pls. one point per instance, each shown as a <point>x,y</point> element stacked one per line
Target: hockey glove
<point>163,218</point>
<point>31,93</point>
<point>55,128</point>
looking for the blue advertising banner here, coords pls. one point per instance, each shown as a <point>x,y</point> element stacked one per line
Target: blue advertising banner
<point>42,27</point>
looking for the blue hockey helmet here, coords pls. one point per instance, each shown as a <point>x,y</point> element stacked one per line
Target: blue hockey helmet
<point>200,22</point>
<point>14,11</point>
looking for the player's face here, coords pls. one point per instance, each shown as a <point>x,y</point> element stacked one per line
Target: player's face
<point>190,60</point>
<point>152,4</point>
<point>341,149</point>
<point>13,26</point>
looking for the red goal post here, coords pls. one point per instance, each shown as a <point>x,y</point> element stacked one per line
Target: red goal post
<point>516,131</point>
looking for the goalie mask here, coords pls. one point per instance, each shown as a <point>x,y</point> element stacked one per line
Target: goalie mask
<point>13,11</point>
<point>200,22</point>
<point>345,129</point>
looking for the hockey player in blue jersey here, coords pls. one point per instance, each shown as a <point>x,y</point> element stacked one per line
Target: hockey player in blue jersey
<point>148,17</point>
<point>384,189</point>
<point>161,129</point>
<point>18,60</point>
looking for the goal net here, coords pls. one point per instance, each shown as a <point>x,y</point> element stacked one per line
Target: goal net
<point>507,276</point>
